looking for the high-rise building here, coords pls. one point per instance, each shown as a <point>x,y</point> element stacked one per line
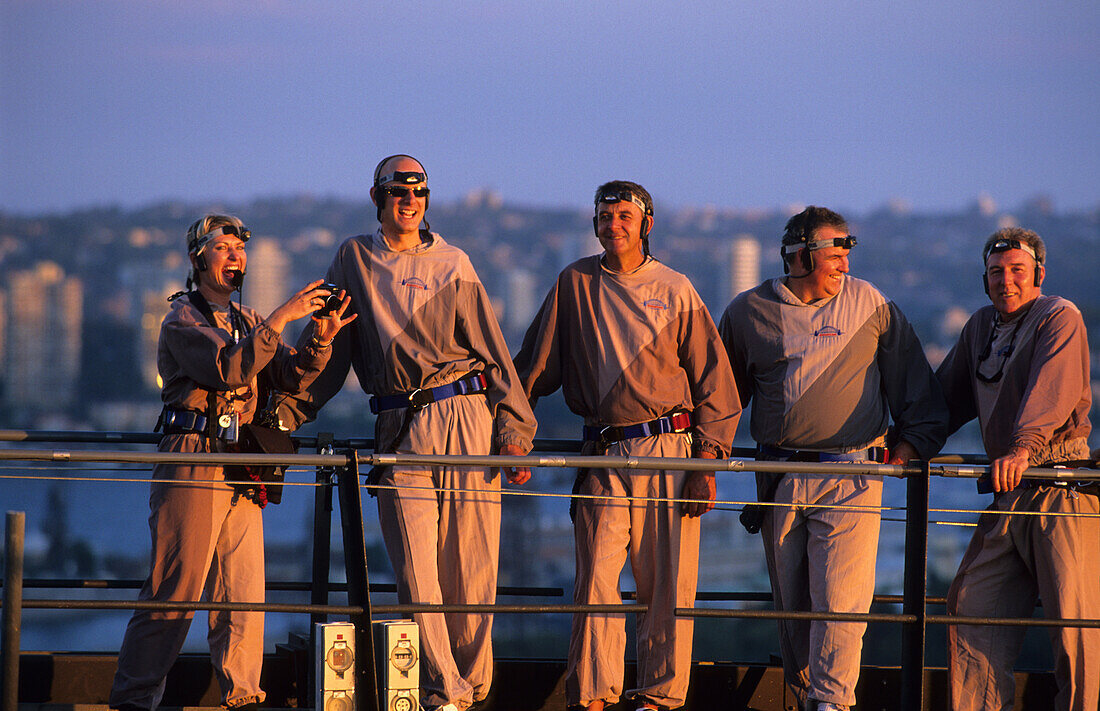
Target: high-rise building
<point>523,301</point>
<point>744,264</point>
<point>154,307</point>
<point>266,285</point>
<point>44,314</point>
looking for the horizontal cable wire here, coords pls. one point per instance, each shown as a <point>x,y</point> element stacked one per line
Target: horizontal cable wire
<point>967,469</point>
<point>721,504</point>
<point>494,608</point>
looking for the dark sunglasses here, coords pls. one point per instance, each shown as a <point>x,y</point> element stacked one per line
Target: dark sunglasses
<point>399,191</point>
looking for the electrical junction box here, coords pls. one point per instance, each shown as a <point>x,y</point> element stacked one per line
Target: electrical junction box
<point>336,667</point>
<point>397,647</point>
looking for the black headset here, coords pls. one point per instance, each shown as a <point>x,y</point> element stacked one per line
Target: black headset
<point>796,234</point>
<point>1003,245</point>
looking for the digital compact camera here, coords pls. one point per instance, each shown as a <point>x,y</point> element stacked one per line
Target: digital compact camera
<point>332,301</point>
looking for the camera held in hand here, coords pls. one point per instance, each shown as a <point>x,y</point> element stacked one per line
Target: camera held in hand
<point>332,301</point>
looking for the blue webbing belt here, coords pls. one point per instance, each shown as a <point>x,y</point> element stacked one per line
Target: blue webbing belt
<point>423,396</point>
<point>871,454</point>
<point>676,422</point>
<point>186,421</point>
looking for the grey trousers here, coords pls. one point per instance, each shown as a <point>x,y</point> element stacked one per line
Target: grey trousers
<point>822,559</point>
<point>1010,561</point>
<point>663,547</point>
<point>204,538</point>
<point>441,527</point>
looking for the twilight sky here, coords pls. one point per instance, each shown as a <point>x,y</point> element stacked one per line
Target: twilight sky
<point>738,104</point>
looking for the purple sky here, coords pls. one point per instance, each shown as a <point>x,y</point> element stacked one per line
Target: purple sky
<point>737,104</point>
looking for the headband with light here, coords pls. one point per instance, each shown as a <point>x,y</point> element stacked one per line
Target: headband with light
<point>199,243</point>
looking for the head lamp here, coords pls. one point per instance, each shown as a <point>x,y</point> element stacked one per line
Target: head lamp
<point>1003,245</point>
<point>623,196</point>
<point>403,177</point>
<point>199,243</point>
<point>846,242</point>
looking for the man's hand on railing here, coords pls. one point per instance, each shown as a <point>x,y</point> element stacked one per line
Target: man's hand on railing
<point>701,488</point>
<point>902,453</point>
<point>516,475</point>
<point>1006,472</point>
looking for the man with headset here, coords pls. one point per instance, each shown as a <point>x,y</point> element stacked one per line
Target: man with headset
<point>828,361</point>
<point>637,355</point>
<point>1021,367</point>
<point>428,349</point>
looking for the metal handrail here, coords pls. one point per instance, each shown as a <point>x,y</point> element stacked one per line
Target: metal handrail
<point>914,617</point>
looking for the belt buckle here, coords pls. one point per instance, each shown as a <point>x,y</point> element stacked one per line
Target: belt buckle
<point>603,434</point>
<point>414,404</point>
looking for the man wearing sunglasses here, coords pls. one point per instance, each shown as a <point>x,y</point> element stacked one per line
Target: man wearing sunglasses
<point>1021,367</point>
<point>828,361</point>
<point>637,355</point>
<point>428,349</point>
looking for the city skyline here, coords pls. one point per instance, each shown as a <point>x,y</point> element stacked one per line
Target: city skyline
<point>749,105</point>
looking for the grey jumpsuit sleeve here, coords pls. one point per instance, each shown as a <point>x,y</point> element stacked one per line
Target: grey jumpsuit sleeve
<point>912,392</point>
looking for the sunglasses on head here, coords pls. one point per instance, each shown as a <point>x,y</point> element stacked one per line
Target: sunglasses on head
<point>196,245</point>
<point>242,232</point>
<point>400,191</point>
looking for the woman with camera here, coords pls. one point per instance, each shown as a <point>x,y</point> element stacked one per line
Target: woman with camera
<point>215,359</point>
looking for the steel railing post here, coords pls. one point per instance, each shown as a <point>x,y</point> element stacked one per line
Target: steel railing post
<point>355,560</point>
<point>13,606</point>
<point>322,531</point>
<point>915,590</point>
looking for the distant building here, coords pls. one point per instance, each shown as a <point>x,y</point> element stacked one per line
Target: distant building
<point>523,301</point>
<point>744,264</point>
<point>985,205</point>
<point>43,316</point>
<point>267,284</point>
<point>154,307</point>
<point>483,198</point>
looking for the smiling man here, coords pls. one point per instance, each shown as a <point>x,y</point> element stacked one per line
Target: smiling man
<point>1021,366</point>
<point>428,348</point>
<point>636,354</point>
<point>828,361</point>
